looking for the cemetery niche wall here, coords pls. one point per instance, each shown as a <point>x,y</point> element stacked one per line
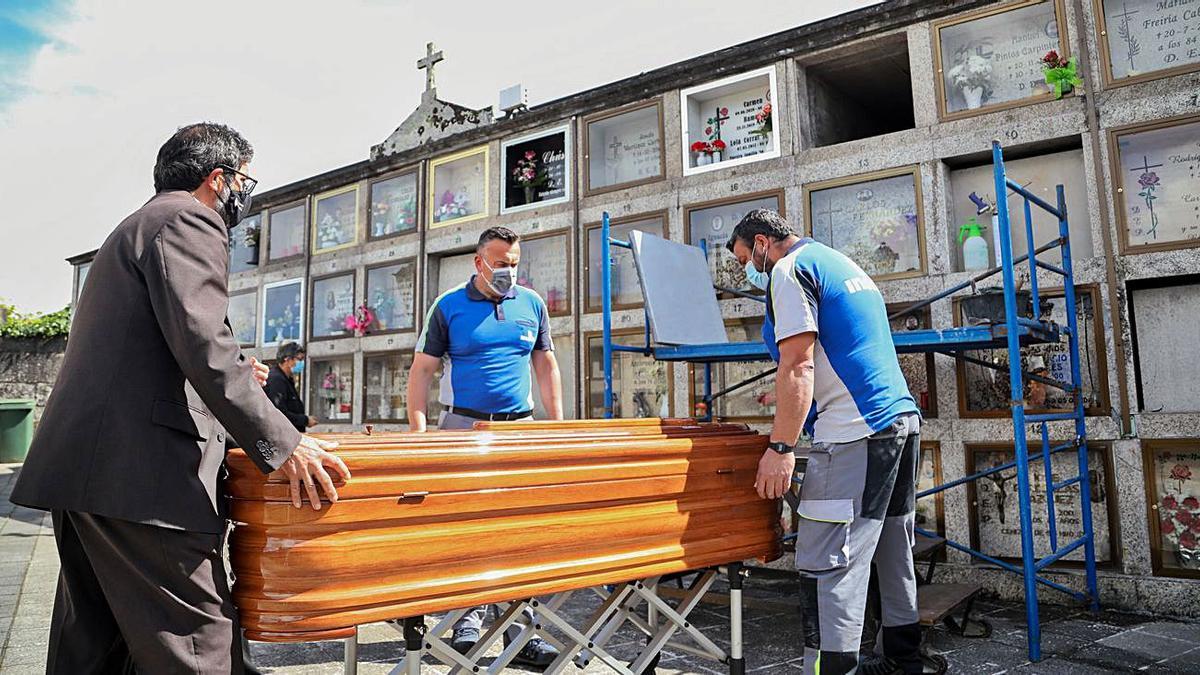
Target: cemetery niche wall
<point>536,170</point>
<point>458,189</point>
<point>729,122</point>
<point>1157,177</point>
<point>1143,40</point>
<point>875,219</point>
<point>335,220</point>
<point>282,313</point>
<point>285,232</point>
<point>846,87</point>
<point>391,294</point>
<point>624,147</point>
<point>991,59</point>
<point>395,204</point>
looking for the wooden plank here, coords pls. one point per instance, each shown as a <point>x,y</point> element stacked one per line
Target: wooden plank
<point>936,601</point>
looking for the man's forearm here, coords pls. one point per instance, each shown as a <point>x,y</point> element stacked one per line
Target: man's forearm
<point>793,397</point>
<point>418,386</point>
<point>552,393</point>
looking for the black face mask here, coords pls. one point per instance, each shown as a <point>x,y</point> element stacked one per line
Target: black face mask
<point>233,205</point>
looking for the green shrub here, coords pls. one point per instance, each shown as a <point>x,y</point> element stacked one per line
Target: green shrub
<point>14,324</point>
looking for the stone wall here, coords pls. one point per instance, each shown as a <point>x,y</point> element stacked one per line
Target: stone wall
<point>28,369</point>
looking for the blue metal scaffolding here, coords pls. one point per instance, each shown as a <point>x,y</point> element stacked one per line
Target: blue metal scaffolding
<point>1011,334</point>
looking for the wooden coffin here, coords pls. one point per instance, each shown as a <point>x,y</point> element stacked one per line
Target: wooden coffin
<point>443,520</point>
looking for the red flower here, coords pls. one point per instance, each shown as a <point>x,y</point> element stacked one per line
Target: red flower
<point>699,146</point>
<point>1051,57</point>
<point>1180,472</point>
<point>1169,502</point>
<point>1187,540</point>
<point>1192,503</point>
<point>1184,517</point>
<point>718,145</point>
<point>708,131</point>
<point>1168,526</point>
<point>724,111</point>
<point>1195,526</point>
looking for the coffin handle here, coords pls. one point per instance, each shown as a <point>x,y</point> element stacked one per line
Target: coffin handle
<point>724,471</point>
<point>414,495</point>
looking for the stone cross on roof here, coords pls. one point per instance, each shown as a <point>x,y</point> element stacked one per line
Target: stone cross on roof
<point>431,59</point>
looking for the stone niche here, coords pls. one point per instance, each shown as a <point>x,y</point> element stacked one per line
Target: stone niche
<point>859,94</point>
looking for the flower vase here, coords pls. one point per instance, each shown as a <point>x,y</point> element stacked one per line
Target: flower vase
<point>252,258</point>
<point>716,157</point>
<point>702,158</point>
<point>974,96</point>
<point>529,190</point>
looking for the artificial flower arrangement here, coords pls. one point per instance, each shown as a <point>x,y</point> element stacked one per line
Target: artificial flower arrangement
<point>1062,75</point>
<point>360,320</point>
<point>527,174</point>
<point>452,205</point>
<point>763,117</point>
<point>708,152</point>
<point>394,215</point>
<point>329,232</point>
<point>973,77</point>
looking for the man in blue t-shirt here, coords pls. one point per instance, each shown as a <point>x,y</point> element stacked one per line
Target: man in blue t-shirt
<point>858,499</point>
<point>485,335</point>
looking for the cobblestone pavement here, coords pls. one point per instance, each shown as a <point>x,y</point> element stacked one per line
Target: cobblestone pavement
<point>1073,641</point>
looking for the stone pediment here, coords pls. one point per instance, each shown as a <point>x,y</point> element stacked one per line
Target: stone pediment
<point>433,119</point>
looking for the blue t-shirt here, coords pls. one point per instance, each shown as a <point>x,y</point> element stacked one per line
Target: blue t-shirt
<point>858,387</point>
<point>485,346</point>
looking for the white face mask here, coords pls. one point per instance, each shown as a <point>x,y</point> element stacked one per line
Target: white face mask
<point>757,278</point>
<point>503,279</point>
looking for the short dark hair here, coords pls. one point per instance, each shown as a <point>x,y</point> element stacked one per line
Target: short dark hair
<point>289,350</point>
<point>493,233</point>
<point>192,153</point>
<point>759,221</point>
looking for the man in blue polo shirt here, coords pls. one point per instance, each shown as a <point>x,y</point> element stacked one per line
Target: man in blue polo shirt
<point>858,499</point>
<point>485,335</point>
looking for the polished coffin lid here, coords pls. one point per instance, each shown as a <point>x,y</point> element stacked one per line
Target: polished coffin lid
<point>443,520</point>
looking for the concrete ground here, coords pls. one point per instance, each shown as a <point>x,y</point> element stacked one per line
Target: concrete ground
<point>1073,641</point>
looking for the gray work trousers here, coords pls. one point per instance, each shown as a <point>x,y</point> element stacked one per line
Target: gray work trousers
<point>474,618</point>
<point>857,505</point>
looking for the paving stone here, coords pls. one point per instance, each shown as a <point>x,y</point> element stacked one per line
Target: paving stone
<point>1053,644</point>
<point>986,658</point>
<point>1153,647</point>
<point>1056,666</point>
<point>1102,656</point>
<point>1082,628</point>
<point>1189,632</point>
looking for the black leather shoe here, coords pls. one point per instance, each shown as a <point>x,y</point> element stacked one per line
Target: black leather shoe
<point>464,639</point>
<point>537,653</point>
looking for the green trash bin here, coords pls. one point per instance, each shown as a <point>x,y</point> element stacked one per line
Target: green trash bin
<point>16,428</point>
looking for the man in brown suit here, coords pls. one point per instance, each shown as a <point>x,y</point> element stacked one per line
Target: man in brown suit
<point>129,454</point>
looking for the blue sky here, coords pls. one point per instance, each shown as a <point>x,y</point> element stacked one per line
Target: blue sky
<point>23,31</point>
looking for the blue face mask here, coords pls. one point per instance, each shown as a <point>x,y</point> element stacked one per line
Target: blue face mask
<point>298,368</point>
<point>756,278</point>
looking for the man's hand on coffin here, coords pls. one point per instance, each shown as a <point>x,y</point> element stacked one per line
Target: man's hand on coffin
<point>305,468</point>
<point>774,474</point>
<point>260,371</point>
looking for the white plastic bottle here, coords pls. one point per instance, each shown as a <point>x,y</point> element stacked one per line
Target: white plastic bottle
<point>974,246</point>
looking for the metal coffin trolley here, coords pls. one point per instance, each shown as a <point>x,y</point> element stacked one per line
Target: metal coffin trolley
<point>524,514</point>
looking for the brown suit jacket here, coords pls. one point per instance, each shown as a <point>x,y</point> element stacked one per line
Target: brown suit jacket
<point>136,425</point>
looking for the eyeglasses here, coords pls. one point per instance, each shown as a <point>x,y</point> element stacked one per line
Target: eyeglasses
<point>248,183</point>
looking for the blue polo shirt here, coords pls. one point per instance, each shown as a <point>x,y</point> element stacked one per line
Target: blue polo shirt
<point>485,346</point>
<point>858,387</point>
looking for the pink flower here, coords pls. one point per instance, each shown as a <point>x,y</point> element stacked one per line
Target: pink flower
<point>724,111</point>
<point>1184,517</point>
<point>708,131</point>
<point>1192,503</point>
<point>1187,540</point>
<point>766,109</point>
<point>1150,180</point>
<point>529,154</point>
<point>1180,471</point>
<point>1167,526</point>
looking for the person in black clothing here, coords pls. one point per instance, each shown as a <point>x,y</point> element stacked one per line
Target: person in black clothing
<point>282,390</point>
